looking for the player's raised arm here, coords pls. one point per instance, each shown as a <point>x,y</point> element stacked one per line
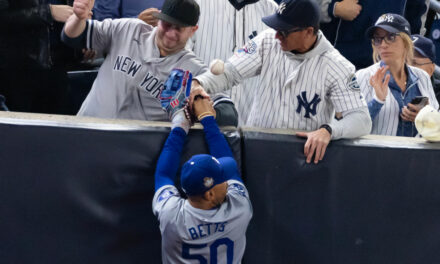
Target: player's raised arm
<point>168,163</point>
<point>217,144</point>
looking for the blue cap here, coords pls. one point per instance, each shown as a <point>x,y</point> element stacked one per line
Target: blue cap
<point>392,23</point>
<point>294,14</point>
<point>202,172</point>
<point>424,46</point>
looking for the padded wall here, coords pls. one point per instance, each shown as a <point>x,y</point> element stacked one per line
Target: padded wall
<point>83,195</point>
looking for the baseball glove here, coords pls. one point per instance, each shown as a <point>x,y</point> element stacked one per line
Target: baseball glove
<point>174,95</point>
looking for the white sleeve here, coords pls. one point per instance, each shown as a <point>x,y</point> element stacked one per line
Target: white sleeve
<point>345,92</point>
<point>245,63</point>
<point>165,199</point>
<point>355,123</point>
<point>239,196</point>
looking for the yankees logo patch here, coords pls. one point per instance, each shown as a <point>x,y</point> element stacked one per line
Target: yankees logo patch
<point>353,83</point>
<point>309,107</point>
<point>249,48</point>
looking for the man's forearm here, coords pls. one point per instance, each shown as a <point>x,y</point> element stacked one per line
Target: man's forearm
<point>355,123</point>
<point>219,83</point>
<point>74,26</point>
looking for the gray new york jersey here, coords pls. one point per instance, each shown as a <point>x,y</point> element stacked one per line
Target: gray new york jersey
<point>191,235</point>
<point>133,73</point>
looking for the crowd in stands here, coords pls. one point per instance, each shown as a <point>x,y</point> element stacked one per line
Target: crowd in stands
<point>34,60</point>
<point>325,68</point>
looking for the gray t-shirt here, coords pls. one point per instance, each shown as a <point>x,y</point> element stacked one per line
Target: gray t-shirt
<point>133,73</point>
<point>191,235</point>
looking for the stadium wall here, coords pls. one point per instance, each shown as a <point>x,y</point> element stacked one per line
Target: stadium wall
<point>79,190</point>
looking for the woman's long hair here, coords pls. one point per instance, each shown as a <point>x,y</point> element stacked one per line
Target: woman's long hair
<point>409,49</point>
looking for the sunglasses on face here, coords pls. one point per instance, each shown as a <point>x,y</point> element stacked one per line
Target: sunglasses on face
<point>390,38</point>
<point>285,33</point>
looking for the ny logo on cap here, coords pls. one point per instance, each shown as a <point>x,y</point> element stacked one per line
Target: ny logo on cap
<point>385,18</point>
<point>282,8</point>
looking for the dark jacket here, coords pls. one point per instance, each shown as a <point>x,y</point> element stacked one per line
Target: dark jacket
<point>25,34</point>
<point>349,36</point>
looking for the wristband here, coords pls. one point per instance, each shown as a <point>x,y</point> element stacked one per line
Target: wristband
<point>204,114</point>
<point>327,127</point>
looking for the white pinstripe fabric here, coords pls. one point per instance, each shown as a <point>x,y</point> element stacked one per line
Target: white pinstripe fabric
<point>285,76</point>
<point>387,120</point>
<point>223,30</point>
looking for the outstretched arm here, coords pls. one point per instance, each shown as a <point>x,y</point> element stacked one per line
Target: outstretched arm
<point>205,113</point>
<point>217,144</point>
<point>169,159</point>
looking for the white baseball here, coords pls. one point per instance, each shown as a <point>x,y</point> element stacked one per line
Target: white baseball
<point>217,67</point>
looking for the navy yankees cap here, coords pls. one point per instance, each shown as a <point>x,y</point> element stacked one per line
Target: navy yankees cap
<point>179,12</point>
<point>392,23</point>
<point>294,14</point>
<point>424,46</point>
<point>202,172</point>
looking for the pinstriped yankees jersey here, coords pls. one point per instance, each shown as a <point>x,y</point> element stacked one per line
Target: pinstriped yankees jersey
<point>298,91</point>
<point>222,31</point>
<point>133,73</point>
<point>387,120</point>
<point>192,235</point>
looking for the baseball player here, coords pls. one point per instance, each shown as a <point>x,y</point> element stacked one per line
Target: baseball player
<point>304,80</point>
<point>139,58</point>
<point>209,226</point>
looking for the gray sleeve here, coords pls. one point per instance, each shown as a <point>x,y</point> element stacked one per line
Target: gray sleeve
<point>355,123</point>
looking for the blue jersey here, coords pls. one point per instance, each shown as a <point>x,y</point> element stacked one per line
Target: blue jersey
<point>192,235</point>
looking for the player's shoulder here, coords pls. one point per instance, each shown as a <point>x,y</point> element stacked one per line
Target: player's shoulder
<point>237,188</point>
<point>166,199</point>
<point>238,199</point>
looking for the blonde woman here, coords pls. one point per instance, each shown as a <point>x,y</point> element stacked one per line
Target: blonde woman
<point>390,85</point>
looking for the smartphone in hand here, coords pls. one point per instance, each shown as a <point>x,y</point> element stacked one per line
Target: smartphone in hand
<point>420,101</point>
